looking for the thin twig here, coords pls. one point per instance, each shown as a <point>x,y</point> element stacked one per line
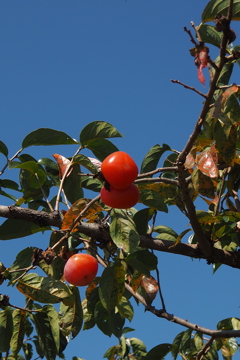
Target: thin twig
<point>12,158</point>
<point>190,35</point>
<point>204,350</point>
<point>44,194</point>
<point>157,180</point>
<point>64,177</point>
<point>189,87</point>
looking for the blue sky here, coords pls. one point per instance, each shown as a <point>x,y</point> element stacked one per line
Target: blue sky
<point>67,63</point>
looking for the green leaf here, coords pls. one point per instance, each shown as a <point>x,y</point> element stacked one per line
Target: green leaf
<point>141,219</point>
<point>72,185</point>
<point>101,148</point>
<point>111,286</point>
<point>97,130</point>
<point>143,260</point>
<point>152,198</point>
<point>152,158</point>
<point>19,317</point>
<point>229,324</point>
<point>109,322</point>
<point>138,346</point>
<point>165,233</point>
<point>71,318</point>
<point>125,308</point>
<point>45,136</point>
<point>209,35</point>
<point>86,162</point>
<point>158,352</point>
<point>220,7</point>
<point>203,184</point>
<point>6,329</point>
<point>45,289</point>
<point>15,228</point>
<point>3,193</point>
<point>198,341</point>
<point>51,169</point>
<point>53,323</point>
<point>23,260</point>
<point>28,350</point>
<point>225,137</point>
<point>3,149</point>
<point>28,165</point>
<point>181,341</point>
<point>123,231</point>
<point>9,184</point>
<point>45,336</point>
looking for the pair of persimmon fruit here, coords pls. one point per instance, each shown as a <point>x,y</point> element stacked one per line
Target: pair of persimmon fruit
<point>119,171</point>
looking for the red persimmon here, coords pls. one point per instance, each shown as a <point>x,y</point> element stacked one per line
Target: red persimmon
<point>119,169</point>
<point>80,269</point>
<point>120,199</point>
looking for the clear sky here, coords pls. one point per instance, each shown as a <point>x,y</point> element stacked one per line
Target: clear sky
<point>64,64</point>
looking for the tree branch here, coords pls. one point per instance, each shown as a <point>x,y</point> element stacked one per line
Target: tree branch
<point>100,232</point>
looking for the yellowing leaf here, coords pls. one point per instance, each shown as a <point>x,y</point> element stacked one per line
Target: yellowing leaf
<point>91,214</point>
<point>44,289</point>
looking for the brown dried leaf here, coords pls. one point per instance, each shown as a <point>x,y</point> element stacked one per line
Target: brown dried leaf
<point>91,214</point>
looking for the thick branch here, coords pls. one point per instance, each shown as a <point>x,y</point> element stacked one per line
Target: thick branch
<point>40,218</point>
<point>101,233</point>
<point>204,244</point>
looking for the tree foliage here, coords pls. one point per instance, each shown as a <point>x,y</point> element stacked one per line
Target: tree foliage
<point>60,197</point>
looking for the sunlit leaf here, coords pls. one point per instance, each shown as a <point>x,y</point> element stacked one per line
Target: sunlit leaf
<point>138,347</point>
<point>111,286</point>
<point>123,231</point>
<point>210,35</point>
<point>91,214</point>
<point>125,308</point>
<point>229,347</point>
<point>96,130</point>
<point>45,289</point>
<point>165,233</point>
<point>220,7</point>
<point>45,136</point>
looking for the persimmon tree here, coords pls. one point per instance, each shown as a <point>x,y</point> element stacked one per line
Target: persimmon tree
<point>51,198</point>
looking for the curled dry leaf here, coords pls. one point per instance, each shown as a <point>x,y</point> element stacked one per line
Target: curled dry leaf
<point>63,165</point>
